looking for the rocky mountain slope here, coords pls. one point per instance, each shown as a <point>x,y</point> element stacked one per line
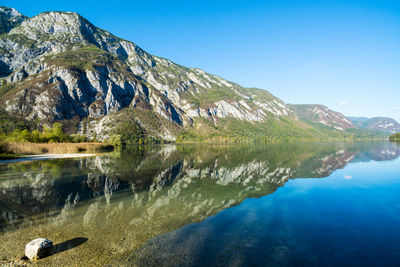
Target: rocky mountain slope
<point>9,19</point>
<point>57,66</point>
<point>322,115</point>
<point>381,124</point>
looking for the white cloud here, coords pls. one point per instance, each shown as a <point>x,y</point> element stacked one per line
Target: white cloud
<point>398,108</point>
<point>347,177</point>
<point>343,103</point>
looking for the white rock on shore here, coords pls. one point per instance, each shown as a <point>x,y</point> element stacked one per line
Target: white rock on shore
<point>38,248</point>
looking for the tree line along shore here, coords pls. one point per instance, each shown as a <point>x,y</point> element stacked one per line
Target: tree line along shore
<point>51,140</point>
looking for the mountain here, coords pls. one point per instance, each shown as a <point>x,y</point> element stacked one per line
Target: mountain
<point>380,124</point>
<point>319,114</point>
<point>57,66</point>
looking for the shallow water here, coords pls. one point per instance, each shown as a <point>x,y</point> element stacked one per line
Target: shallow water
<point>235,205</point>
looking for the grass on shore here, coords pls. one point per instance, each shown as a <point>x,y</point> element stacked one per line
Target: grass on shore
<point>16,149</point>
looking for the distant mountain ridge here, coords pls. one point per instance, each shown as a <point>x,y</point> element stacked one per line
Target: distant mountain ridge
<point>315,113</point>
<point>381,124</point>
<point>57,66</point>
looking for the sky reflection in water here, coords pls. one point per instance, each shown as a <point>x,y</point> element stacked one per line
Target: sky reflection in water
<point>351,218</point>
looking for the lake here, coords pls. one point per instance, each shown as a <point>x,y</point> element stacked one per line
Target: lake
<point>301,204</point>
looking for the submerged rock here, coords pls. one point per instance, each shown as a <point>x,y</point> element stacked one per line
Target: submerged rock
<point>38,248</point>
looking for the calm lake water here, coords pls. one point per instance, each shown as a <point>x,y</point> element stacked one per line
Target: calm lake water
<point>209,205</point>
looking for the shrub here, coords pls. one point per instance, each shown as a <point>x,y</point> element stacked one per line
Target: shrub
<point>36,136</point>
<point>77,138</point>
<point>115,140</point>
<point>395,137</point>
<point>52,134</point>
<point>3,147</point>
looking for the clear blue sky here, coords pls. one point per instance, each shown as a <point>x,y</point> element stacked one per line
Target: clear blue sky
<point>343,54</point>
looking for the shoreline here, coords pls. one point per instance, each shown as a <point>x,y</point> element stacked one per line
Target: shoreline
<point>45,157</point>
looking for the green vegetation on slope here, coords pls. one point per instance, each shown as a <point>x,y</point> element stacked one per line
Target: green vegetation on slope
<point>127,129</point>
<point>10,123</point>
<point>229,130</point>
<point>83,58</point>
<point>6,24</point>
<point>5,88</point>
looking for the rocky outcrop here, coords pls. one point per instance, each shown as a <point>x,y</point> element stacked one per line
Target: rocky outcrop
<point>64,93</point>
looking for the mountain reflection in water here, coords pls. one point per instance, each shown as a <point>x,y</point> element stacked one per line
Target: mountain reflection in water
<point>122,199</point>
